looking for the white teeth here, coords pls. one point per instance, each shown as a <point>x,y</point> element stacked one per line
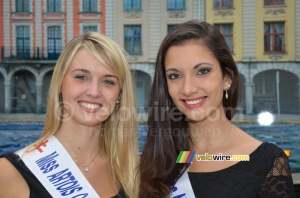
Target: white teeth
<point>192,102</point>
<point>89,106</point>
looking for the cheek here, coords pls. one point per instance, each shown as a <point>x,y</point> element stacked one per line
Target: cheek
<point>112,100</point>
<point>113,95</point>
<point>172,89</point>
<point>69,93</point>
<point>69,88</point>
<point>216,93</point>
<point>174,94</point>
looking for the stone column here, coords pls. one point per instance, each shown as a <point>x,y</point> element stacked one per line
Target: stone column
<point>39,85</point>
<point>7,94</point>
<point>249,97</point>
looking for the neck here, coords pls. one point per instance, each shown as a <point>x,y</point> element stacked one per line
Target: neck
<point>207,136</point>
<point>80,141</point>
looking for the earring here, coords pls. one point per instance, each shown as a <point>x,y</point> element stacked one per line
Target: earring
<point>117,102</point>
<point>226,91</point>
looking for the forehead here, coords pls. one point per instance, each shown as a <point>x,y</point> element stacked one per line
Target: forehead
<point>190,53</point>
<point>83,60</point>
<point>85,57</point>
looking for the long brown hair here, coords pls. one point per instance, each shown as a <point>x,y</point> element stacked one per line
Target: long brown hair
<point>168,127</point>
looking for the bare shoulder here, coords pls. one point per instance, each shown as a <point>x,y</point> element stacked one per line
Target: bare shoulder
<point>10,180</point>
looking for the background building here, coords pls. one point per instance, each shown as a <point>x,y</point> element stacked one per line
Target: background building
<point>264,36</point>
<point>33,34</point>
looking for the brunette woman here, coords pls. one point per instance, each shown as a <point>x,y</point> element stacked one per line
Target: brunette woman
<point>194,96</point>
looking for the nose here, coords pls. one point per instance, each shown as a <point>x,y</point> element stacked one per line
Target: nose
<point>188,87</point>
<point>93,89</point>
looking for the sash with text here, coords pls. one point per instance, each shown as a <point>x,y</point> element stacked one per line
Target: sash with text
<point>183,187</point>
<point>55,169</point>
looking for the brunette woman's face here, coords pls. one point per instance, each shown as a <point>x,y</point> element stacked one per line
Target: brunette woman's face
<point>195,81</point>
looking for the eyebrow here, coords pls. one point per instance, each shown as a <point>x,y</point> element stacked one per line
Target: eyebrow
<point>81,70</point>
<point>195,67</point>
<point>111,76</point>
<point>88,72</point>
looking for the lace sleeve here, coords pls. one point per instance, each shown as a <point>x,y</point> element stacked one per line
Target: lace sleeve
<point>278,182</point>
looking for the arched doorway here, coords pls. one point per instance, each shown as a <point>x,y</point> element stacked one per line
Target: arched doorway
<point>266,86</point>
<point>23,92</point>
<point>289,92</point>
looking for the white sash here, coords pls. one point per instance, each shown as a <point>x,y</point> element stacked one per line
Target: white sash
<point>55,169</point>
<point>183,187</point>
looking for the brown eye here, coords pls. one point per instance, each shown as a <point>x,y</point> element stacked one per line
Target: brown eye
<point>204,71</point>
<point>173,76</point>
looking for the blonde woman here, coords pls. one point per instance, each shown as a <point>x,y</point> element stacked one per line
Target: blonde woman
<point>88,147</point>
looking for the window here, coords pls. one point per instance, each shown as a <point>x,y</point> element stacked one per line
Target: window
<point>54,6</point>
<point>89,5</point>
<point>273,2</point>
<point>132,4</point>
<point>90,28</point>
<point>226,30</point>
<point>22,5</point>
<point>171,27</point>
<point>176,4</point>
<point>54,42</point>
<point>274,37</point>
<point>23,42</point>
<point>222,3</point>
<point>133,39</point>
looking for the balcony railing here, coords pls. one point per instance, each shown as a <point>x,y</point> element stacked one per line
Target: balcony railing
<point>14,53</point>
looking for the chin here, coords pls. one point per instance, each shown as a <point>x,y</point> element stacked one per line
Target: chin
<point>197,119</point>
<point>91,123</point>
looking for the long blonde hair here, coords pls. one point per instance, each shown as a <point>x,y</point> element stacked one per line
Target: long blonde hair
<point>119,131</point>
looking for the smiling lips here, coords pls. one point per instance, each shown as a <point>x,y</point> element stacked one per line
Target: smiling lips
<point>194,103</point>
<point>90,107</point>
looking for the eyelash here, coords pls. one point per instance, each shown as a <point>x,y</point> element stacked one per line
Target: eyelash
<point>81,77</point>
<point>109,82</point>
<point>173,76</point>
<point>201,72</point>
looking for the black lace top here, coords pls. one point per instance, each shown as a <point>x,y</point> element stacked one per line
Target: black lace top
<point>37,190</point>
<point>267,174</point>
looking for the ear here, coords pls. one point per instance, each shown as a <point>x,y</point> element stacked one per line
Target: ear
<point>227,82</point>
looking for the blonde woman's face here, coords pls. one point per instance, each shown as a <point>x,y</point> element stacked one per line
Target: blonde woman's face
<point>90,90</point>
